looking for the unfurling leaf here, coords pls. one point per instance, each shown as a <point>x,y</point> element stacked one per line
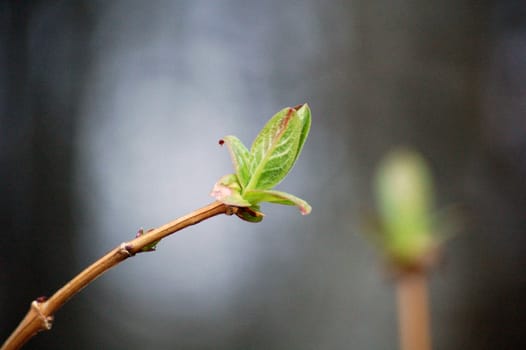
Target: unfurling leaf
<point>240,157</point>
<point>278,197</point>
<point>250,214</point>
<point>274,150</point>
<point>303,112</point>
<point>272,155</point>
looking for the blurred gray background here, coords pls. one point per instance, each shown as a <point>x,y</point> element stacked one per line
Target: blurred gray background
<point>110,116</point>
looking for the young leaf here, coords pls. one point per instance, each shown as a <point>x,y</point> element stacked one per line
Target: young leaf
<point>278,197</point>
<point>274,150</point>
<point>250,214</point>
<point>303,112</point>
<point>240,157</point>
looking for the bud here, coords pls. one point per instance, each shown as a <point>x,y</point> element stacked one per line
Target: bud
<point>404,196</point>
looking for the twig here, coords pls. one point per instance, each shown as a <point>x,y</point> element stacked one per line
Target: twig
<point>42,310</point>
<point>413,311</point>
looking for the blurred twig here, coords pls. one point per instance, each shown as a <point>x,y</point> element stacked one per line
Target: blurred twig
<point>413,313</point>
<point>406,233</point>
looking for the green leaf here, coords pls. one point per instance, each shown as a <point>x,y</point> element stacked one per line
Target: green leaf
<point>304,115</point>
<point>241,159</point>
<point>274,150</point>
<point>278,197</point>
<point>250,214</point>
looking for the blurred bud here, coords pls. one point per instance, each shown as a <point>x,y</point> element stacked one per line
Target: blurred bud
<point>404,195</point>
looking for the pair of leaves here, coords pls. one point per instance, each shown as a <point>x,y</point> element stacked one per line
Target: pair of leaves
<point>271,157</point>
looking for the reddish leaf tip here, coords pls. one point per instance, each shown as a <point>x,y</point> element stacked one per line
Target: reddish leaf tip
<point>221,142</point>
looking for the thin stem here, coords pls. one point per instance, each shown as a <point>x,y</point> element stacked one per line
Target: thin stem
<point>40,314</point>
<point>413,311</point>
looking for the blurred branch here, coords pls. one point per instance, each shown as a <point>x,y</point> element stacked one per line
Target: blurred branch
<point>413,313</point>
<point>406,232</point>
<point>42,310</point>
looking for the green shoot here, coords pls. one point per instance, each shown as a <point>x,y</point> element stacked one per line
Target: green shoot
<point>272,155</point>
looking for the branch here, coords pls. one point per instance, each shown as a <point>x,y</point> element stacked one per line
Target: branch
<point>413,311</point>
<point>41,313</point>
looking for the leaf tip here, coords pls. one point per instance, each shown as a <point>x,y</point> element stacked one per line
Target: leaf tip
<point>221,142</point>
<point>297,107</point>
<point>305,210</point>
